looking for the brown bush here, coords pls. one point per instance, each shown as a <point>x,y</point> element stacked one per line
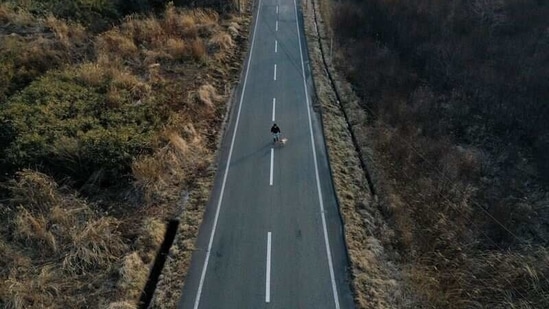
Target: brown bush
<point>454,145</point>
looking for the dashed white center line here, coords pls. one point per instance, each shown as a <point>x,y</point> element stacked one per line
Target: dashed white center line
<point>272,166</point>
<point>274,77</point>
<point>268,277</point>
<point>276,27</point>
<point>276,46</point>
<point>277,9</point>
<point>274,108</point>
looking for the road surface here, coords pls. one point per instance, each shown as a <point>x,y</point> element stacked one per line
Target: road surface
<point>272,236</point>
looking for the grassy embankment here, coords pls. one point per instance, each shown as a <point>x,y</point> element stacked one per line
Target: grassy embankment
<point>456,95</point>
<point>102,127</point>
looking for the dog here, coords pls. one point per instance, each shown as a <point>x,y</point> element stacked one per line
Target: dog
<point>282,141</point>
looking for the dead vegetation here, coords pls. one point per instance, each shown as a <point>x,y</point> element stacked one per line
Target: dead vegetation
<point>75,234</point>
<point>459,223</point>
<point>60,243</point>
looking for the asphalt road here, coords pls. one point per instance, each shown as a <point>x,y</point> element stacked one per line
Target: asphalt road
<point>272,236</point>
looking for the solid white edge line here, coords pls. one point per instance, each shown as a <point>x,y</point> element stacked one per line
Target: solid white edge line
<point>268,275</point>
<point>272,167</point>
<point>205,267</point>
<point>321,202</point>
<point>274,108</point>
<point>274,77</point>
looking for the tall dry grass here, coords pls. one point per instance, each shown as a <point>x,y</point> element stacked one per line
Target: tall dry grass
<point>11,15</point>
<point>69,33</point>
<point>47,226</point>
<point>98,254</point>
<point>179,35</point>
<point>173,165</point>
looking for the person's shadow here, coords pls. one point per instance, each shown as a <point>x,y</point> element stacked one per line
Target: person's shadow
<point>263,151</point>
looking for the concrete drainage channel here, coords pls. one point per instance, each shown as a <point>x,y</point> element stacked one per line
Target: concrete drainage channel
<point>150,287</point>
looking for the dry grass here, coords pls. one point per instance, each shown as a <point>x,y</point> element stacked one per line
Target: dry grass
<point>219,44</point>
<point>49,226</point>
<point>116,44</point>
<point>5,13</point>
<point>428,222</point>
<point>198,49</point>
<point>172,165</point>
<point>68,33</point>
<point>96,246</point>
<point>98,255</point>
<point>17,17</point>
<point>177,48</point>
<point>151,237</point>
<point>133,277</point>
<point>207,96</point>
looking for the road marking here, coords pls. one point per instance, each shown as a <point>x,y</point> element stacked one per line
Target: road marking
<point>319,190</point>
<point>276,46</point>
<point>277,9</point>
<point>272,166</point>
<point>274,73</point>
<point>214,227</point>
<point>277,25</point>
<point>268,277</point>
<point>274,108</point>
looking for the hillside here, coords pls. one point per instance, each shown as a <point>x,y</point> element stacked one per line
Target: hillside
<point>109,110</point>
<point>451,118</point>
